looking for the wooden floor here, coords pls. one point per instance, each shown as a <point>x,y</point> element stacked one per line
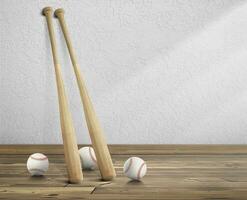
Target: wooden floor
<point>184,172</point>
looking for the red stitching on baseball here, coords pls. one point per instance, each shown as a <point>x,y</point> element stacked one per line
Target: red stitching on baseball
<point>91,155</point>
<point>139,171</point>
<point>130,163</point>
<point>43,158</point>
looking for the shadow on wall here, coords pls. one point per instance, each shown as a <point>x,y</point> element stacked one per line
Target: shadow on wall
<point>193,91</point>
<point>126,36</point>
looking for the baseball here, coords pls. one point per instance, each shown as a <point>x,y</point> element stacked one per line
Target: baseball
<point>135,168</point>
<point>37,164</point>
<point>88,158</point>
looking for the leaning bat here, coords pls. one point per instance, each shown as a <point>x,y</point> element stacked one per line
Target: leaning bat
<point>96,134</point>
<point>71,153</point>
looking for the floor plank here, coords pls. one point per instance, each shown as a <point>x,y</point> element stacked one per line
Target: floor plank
<point>143,149</point>
<point>176,176</point>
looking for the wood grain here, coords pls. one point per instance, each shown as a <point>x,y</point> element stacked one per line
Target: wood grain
<point>143,149</point>
<point>204,175</point>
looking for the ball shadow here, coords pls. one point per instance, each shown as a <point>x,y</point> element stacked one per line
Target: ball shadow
<point>135,182</point>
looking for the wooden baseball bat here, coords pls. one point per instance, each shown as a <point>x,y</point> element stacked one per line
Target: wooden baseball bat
<point>71,153</point>
<point>96,133</point>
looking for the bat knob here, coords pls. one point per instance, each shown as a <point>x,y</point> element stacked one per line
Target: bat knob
<point>46,10</point>
<point>58,12</point>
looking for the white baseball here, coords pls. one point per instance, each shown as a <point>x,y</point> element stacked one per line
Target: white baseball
<point>135,168</point>
<point>37,164</point>
<point>88,158</point>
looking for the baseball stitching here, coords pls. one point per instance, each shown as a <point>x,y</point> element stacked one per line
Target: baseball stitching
<point>130,163</point>
<point>139,171</point>
<point>42,158</point>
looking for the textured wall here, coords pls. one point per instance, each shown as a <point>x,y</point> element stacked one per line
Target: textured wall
<point>157,71</point>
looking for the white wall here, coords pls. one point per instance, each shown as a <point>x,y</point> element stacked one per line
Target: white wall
<point>157,71</point>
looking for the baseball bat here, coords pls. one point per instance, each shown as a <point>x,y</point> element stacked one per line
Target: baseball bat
<point>102,153</point>
<point>71,153</point>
